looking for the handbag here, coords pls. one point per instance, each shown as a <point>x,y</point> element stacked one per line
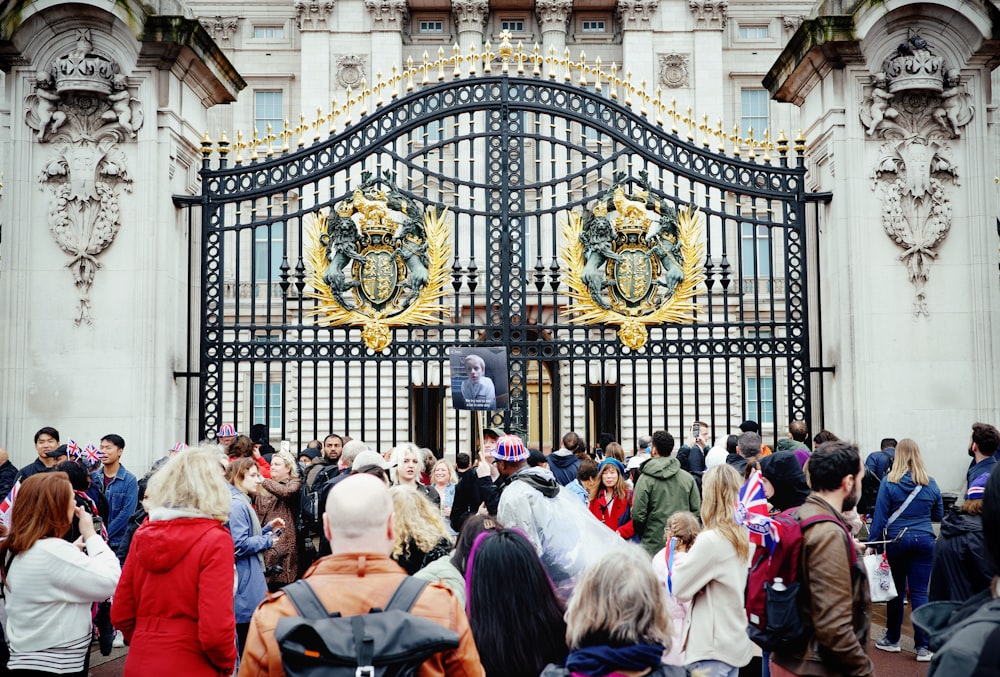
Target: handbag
<point>880,583</point>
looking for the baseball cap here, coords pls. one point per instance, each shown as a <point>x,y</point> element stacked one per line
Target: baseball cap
<point>977,488</point>
<point>226,430</point>
<point>369,457</point>
<point>62,450</point>
<point>510,448</point>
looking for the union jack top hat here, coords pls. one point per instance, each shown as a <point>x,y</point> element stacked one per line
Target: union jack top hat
<point>226,430</point>
<point>510,448</point>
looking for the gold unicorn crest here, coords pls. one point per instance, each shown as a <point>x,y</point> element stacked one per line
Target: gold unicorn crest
<point>623,269</point>
<point>378,261</point>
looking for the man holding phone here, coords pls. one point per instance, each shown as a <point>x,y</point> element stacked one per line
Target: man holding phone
<point>692,454</point>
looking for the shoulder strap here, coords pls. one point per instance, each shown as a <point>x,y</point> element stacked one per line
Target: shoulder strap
<point>906,504</point>
<point>406,594</point>
<point>815,519</point>
<point>305,601</point>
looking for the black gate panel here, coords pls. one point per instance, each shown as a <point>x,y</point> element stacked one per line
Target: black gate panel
<point>510,156</point>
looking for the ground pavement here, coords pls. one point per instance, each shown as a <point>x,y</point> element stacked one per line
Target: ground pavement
<point>901,664</point>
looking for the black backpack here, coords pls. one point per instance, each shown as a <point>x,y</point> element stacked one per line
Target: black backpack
<point>869,488</point>
<point>311,504</point>
<point>382,643</point>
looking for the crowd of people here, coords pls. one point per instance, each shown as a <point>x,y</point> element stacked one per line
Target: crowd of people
<point>579,562</point>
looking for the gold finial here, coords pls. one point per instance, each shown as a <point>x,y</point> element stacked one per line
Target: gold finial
<point>286,133</point>
<point>613,82</point>
<point>317,123</point>
<point>473,60</point>
<point>627,86</point>
<point>551,60</point>
<point>643,98</point>
<point>567,66</point>
<point>520,57</point>
<point>506,48</point>
<point>658,104</point>
<point>441,62</point>
<point>378,88</point>
<point>457,54</point>
<point>751,144</point>
<point>347,107</point>
<point>334,112</point>
<point>254,141</point>
<point>537,58</point>
<point>800,143</point>
<point>395,84</point>
<point>720,135</point>
<point>269,138</point>
<point>488,57</point>
<point>782,144</point>
<point>206,145</point>
<point>673,115</point>
<point>425,68</point>
<point>409,75</point>
<point>598,75</point>
<point>223,145</point>
<point>767,146</point>
<point>239,145</point>
<point>736,140</point>
<point>690,122</point>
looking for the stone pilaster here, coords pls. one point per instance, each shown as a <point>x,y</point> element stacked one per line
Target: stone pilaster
<point>221,28</point>
<point>387,15</point>
<point>635,15</point>
<point>709,14</point>
<point>470,21</point>
<point>553,19</point>
<point>313,15</point>
<point>709,20</point>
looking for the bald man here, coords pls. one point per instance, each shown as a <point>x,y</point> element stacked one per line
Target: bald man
<point>358,576</point>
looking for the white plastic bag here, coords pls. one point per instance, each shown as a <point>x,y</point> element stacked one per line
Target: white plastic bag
<point>880,582</point>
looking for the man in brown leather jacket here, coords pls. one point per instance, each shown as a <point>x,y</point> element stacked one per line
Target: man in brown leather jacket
<point>358,576</point>
<point>839,622</point>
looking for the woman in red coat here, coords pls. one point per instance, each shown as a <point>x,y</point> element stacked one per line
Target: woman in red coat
<point>174,602</point>
<point>611,500</point>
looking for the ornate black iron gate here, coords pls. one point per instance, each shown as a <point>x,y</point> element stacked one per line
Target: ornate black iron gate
<point>511,152</point>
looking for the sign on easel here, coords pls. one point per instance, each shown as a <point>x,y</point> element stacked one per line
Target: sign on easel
<point>479,378</point>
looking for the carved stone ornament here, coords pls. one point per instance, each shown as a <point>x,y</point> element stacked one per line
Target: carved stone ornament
<point>709,13</point>
<point>636,14</point>
<point>221,28</point>
<point>313,14</point>
<point>387,15</point>
<point>351,70</point>
<point>82,108</point>
<point>470,15</point>
<point>915,108</point>
<point>792,23</point>
<point>673,70</point>
<point>553,15</point>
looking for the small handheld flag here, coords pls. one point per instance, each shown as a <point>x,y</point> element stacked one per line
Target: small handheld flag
<point>752,512</point>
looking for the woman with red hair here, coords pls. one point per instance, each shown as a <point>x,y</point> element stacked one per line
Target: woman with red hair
<point>50,583</point>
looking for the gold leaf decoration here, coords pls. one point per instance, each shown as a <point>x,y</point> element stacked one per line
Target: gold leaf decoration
<point>678,308</point>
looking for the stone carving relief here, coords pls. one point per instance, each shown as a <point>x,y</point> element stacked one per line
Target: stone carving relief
<point>313,14</point>
<point>709,13</point>
<point>470,15</point>
<point>553,15</point>
<point>916,105</point>
<point>636,14</point>
<point>387,15</point>
<point>82,110</point>
<point>673,71</point>
<point>792,23</point>
<point>351,70</point>
<point>221,28</point>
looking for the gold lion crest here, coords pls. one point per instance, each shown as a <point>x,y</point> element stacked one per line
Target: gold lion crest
<point>625,269</point>
<point>377,261</point>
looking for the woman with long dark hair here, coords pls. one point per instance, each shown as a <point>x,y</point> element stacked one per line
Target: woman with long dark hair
<point>908,499</point>
<point>611,500</point>
<point>515,615</point>
<point>50,584</point>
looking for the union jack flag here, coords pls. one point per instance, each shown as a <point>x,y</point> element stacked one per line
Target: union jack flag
<point>73,449</point>
<point>91,454</point>
<point>752,512</point>
<point>7,505</point>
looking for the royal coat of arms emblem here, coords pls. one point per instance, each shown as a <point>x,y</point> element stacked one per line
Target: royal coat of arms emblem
<point>377,260</point>
<point>633,260</point>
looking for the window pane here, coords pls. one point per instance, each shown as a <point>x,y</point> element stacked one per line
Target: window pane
<point>268,32</point>
<point>755,251</point>
<point>594,27</point>
<point>268,249</point>
<point>753,112</point>
<point>760,392</point>
<point>512,26</point>
<point>267,404</point>
<point>753,32</point>
<point>267,110</point>
<point>431,26</point>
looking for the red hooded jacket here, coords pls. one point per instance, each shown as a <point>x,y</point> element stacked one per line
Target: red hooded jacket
<point>174,602</point>
<point>619,518</point>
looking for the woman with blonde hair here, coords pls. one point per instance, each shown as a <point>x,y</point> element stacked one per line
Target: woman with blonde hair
<point>908,500</point>
<point>610,498</point>
<point>408,462</point>
<point>443,483</point>
<point>50,584</point>
<point>713,577</point>
<point>617,621</point>
<point>421,534</point>
<point>174,603</point>
<point>279,497</point>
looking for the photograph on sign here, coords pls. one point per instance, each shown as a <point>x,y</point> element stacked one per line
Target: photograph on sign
<point>479,378</point>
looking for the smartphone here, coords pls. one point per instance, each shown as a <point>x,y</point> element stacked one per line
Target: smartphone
<point>277,533</point>
<point>286,445</point>
<point>98,523</point>
<point>695,431</point>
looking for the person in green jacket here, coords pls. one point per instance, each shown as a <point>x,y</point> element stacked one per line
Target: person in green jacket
<point>661,490</point>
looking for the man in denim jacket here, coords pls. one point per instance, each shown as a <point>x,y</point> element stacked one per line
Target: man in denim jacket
<point>119,487</point>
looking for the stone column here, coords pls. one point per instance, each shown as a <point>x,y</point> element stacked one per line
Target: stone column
<point>388,18</point>
<point>553,20</point>
<point>638,55</point>
<point>470,21</point>
<point>102,130</point>
<point>314,20</point>
<point>907,247</point>
<point>708,75</point>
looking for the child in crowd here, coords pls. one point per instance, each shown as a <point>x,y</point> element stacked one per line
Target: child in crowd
<point>681,530</point>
